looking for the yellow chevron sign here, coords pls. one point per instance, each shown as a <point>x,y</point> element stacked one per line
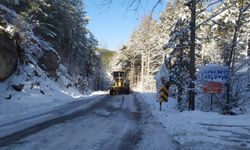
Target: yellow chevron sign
<point>164,89</point>
<point>163,94</point>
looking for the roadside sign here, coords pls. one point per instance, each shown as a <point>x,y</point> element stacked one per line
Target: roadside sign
<point>212,88</point>
<point>213,76</point>
<point>163,94</point>
<point>213,73</point>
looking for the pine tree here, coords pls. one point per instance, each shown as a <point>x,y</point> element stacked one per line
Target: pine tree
<point>62,23</point>
<point>178,64</point>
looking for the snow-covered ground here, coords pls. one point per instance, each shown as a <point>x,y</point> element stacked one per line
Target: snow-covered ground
<point>15,104</point>
<point>113,122</point>
<point>35,103</point>
<point>24,113</point>
<point>190,129</point>
<point>201,130</point>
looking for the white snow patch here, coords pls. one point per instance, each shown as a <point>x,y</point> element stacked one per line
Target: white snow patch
<point>39,95</point>
<point>201,127</point>
<point>99,93</point>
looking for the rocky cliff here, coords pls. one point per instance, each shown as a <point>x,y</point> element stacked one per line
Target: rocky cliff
<point>18,42</point>
<point>8,55</point>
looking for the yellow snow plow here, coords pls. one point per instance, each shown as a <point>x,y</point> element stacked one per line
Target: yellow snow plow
<point>120,83</point>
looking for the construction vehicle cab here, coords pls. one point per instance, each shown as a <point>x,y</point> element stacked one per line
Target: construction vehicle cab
<point>120,83</point>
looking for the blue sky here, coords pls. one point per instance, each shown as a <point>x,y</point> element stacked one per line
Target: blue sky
<point>113,25</point>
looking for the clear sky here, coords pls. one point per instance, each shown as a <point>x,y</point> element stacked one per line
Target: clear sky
<point>113,25</point>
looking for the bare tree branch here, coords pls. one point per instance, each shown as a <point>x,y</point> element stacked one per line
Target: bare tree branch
<point>158,2</point>
<point>133,3</point>
<point>216,14</point>
<point>106,3</point>
<point>209,5</point>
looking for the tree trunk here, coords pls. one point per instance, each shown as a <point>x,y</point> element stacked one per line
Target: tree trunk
<point>192,56</point>
<point>248,46</point>
<point>148,70</point>
<point>231,62</point>
<point>142,72</point>
<point>132,72</point>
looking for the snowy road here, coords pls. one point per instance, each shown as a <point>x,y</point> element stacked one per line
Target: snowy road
<point>109,122</point>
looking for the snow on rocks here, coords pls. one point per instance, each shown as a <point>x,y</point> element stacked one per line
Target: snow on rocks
<point>28,90</point>
<point>34,50</point>
<point>9,15</point>
<point>8,55</point>
<point>99,93</point>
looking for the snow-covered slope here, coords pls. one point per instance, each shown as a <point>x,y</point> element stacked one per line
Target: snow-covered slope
<point>29,89</point>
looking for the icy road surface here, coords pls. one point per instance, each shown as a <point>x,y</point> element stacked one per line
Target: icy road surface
<point>105,123</point>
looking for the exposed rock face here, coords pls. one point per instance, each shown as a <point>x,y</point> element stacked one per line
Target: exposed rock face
<point>8,55</point>
<point>50,63</point>
<point>18,88</point>
<point>31,48</point>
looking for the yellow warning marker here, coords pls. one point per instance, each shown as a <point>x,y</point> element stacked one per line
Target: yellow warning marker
<point>164,89</point>
<point>163,94</point>
<point>164,97</point>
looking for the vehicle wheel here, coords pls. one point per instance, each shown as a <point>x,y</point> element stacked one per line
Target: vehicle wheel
<point>127,92</point>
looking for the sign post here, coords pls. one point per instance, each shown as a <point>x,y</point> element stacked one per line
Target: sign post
<point>211,106</point>
<point>212,88</point>
<point>213,77</point>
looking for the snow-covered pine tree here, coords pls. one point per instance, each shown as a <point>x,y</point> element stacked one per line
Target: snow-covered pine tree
<point>139,54</point>
<point>178,63</point>
<point>231,30</point>
<point>62,23</point>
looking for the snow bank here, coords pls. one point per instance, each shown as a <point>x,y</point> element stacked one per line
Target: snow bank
<point>193,127</point>
<point>38,94</point>
<point>99,93</point>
